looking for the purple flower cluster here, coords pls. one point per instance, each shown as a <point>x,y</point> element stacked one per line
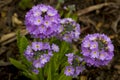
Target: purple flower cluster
<point>40,53</point>
<point>97,49</point>
<point>42,21</point>
<point>69,29</point>
<point>74,68</point>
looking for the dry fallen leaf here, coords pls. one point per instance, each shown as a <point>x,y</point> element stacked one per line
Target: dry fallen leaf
<point>15,20</point>
<point>83,77</point>
<point>7,36</point>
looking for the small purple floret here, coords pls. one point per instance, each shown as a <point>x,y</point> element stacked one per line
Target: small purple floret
<point>69,71</point>
<point>55,48</point>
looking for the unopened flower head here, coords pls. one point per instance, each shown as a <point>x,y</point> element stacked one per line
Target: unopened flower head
<point>97,49</point>
<point>42,21</point>
<point>39,53</point>
<point>70,30</point>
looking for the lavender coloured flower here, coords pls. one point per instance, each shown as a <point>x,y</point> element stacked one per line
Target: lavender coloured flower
<point>44,58</point>
<point>70,30</point>
<point>55,48</point>
<point>37,63</point>
<point>97,49</point>
<point>35,71</point>
<point>42,21</point>
<point>29,53</point>
<point>39,53</point>
<point>37,46</point>
<point>73,59</point>
<point>94,54</point>
<point>78,70</point>
<point>69,71</point>
<point>70,58</point>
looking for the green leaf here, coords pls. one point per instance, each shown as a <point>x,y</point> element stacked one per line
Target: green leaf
<point>55,61</point>
<point>23,44</point>
<point>74,16</point>
<point>32,76</point>
<point>60,58</point>
<point>61,13</point>
<point>71,7</point>
<point>40,75</point>
<point>64,77</point>
<point>61,1</point>
<point>18,37</point>
<point>24,4</point>
<point>68,14</point>
<point>49,77</point>
<point>64,48</point>
<point>52,69</point>
<point>17,64</point>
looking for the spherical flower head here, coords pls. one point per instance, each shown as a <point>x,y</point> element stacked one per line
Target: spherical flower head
<point>42,21</point>
<point>39,53</point>
<point>70,30</point>
<point>69,71</point>
<point>97,49</point>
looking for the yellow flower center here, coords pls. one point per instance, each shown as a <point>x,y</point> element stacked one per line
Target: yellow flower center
<point>94,46</point>
<point>94,52</point>
<point>42,26</point>
<point>69,70</point>
<point>37,13</point>
<point>46,22</point>
<point>38,20</point>
<point>37,46</point>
